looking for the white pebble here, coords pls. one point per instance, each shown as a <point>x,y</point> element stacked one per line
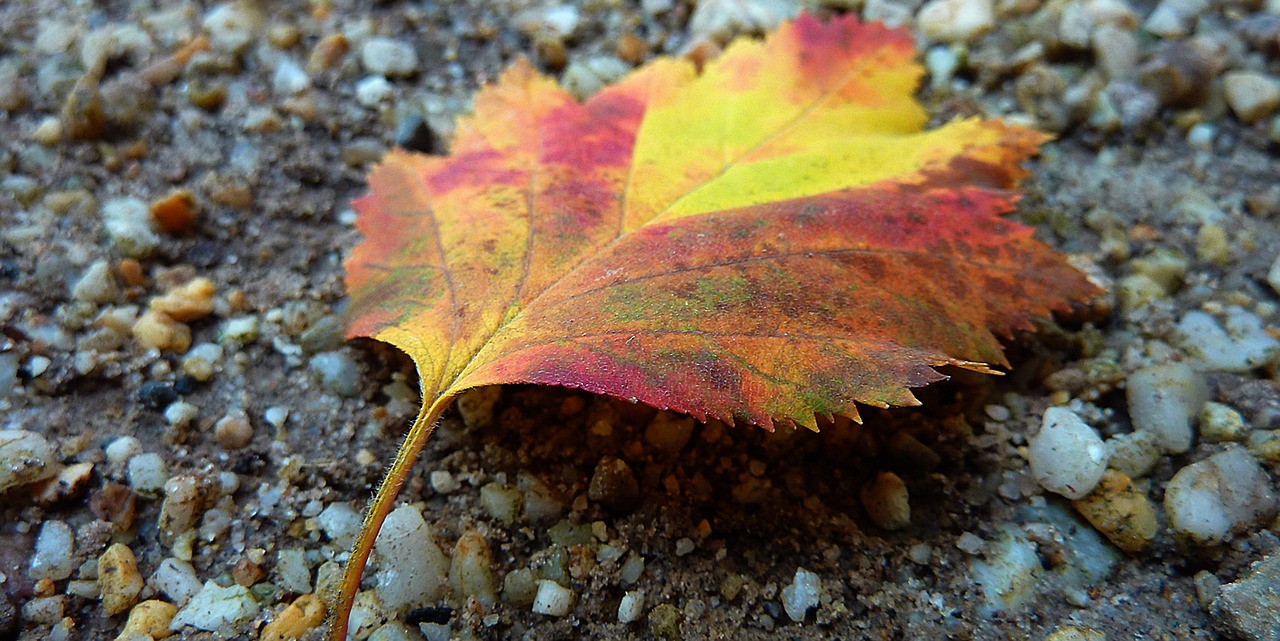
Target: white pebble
<point>289,79</point>
<point>1163,399</point>
<point>373,91</point>
<point>25,457</point>
<point>802,595</point>
<point>128,223</point>
<point>292,572</point>
<point>970,543</point>
<point>1252,96</point>
<point>122,449</point>
<point>276,416</point>
<point>414,569</point>
<point>340,522</point>
<point>1201,136</point>
<point>147,474</point>
<point>337,371</point>
<point>389,58</point>
<point>233,26</point>
<point>723,19</point>
<point>443,482</point>
<point>1008,575</point>
<point>1067,456</point>
<point>175,579</point>
<point>1239,344</point>
<point>55,552</point>
<point>96,285</point>
<point>631,608</point>
<point>1225,493</point>
<point>217,608</point>
<point>955,20</point>
<point>180,414</point>
<point>1273,275</point>
<point>552,599</point>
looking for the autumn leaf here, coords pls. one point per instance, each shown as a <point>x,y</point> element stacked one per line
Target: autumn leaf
<point>772,240</point>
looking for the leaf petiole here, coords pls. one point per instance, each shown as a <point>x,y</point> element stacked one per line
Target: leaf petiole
<point>381,504</point>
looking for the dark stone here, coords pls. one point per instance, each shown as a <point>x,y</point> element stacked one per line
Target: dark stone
<point>156,394</point>
<point>614,486</point>
<point>438,614</point>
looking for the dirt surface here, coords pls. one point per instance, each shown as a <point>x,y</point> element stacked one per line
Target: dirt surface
<point>721,523</point>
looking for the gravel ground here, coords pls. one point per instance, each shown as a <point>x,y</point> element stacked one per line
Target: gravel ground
<point>174,189</point>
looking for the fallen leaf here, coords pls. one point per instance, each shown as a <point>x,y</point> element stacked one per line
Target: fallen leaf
<point>774,239</point>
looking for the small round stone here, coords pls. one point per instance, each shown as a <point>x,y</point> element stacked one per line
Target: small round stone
<point>1067,456</point>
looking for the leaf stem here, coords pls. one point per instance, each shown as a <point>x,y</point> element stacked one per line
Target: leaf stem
<point>377,512</point>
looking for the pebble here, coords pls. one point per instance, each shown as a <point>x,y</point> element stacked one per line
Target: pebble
<point>340,522</point>
<point>25,457</point>
<point>1174,18</point>
<point>552,599</point>
<point>955,21</point>
<point>1220,423</point>
<point>1251,96</point>
<point>150,618</point>
<point>118,579</point>
<point>631,607</point>
<point>190,301</point>
<point>1163,400</point>
<point>520,587</point>
<point>1076,633</point>
<point>120,450</point>
<point>327,53</point>
<point>128,224</point>
<point>1273,275</point>
<point>397,631</point>
<point>147,474</point>
<point>1239,344</point>
<point>83,116</point>
<point>614,486</point>
<point>801,595</point>
<point>554,21</point>
<point>414,570</point>
<point>181,414</point>
<point>501,502</point>
<point>664,622</point>
<point>583,78</point>
<point>201,361</point>
<point>96,285</point>
<point>388,57</point>
<point>184,502</point>
<point>233,26</point>
<point>55,552</point>
<point>216,608</point>
<point>669,432</point>
<point>159,331</point>
<point>1247,608</point>
<point>1226,493</point>
<point>175,579</point>
<point>306,613</point>
<point>337,372</point>
<point>443,482</point>
<point>175,213</point>
<point>373,91</point>
<point>292,573</point>
<point>1008,575</point>
<point>471,572</point>
<point>887,502</point>
<point>241,331</point>
<point>721,20</point>
<point>1067,456</point>
<point>1120,512</point>
<point>233,431</point>
<point>1133,453</point>
<point>289,79</point>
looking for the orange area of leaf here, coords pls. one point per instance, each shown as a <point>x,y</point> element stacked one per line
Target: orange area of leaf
<point>772,240</point>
